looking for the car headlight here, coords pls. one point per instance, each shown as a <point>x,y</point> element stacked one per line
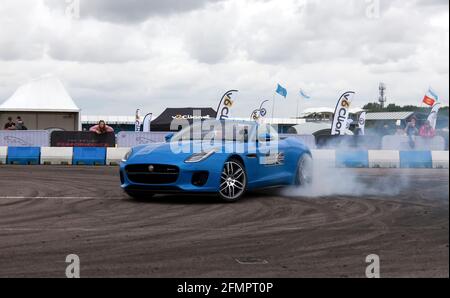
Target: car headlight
<point>127,155</point>
<point>198,157</point>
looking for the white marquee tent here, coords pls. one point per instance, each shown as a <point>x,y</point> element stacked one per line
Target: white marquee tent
<point>43,103</point>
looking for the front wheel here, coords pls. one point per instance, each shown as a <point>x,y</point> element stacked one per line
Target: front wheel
<point>233,181</point>
<point>304,171</point>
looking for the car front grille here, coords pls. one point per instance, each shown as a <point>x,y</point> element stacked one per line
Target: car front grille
<point>152,173</point>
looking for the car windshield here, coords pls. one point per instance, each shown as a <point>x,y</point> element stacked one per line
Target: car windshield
<point>216,131</point>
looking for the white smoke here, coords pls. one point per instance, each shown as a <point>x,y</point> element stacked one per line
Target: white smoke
<point>330,181</point>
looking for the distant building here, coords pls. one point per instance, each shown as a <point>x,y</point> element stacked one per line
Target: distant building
<point>43,104</point>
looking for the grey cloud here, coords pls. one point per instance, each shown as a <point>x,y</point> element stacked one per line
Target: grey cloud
<point>131,11</point>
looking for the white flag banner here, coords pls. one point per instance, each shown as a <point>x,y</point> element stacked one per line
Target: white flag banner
<point>432,118</point>
<point>362,123</point>
<point>147,122</point>
<point>137,123</point>
<point>225,104</point>
<point>341,113</point>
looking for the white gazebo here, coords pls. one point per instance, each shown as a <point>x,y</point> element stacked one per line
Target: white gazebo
<point>43,104</point>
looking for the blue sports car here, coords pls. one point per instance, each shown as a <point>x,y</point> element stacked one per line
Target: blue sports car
<point>226,158</point>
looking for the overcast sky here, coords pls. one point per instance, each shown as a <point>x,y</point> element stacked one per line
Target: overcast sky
<point>116,56</point>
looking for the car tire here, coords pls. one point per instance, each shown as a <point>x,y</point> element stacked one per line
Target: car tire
<point>233,181</point>
<point>304,175</point>
<point>139,195</point>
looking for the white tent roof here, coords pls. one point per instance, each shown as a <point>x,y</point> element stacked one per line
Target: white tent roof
<point>44,94</point>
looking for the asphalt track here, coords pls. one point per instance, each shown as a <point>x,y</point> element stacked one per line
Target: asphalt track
<point>48,212</point>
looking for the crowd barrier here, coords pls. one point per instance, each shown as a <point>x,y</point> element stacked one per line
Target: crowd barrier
<point>24,138</point>
<point>348,142</point>
<point>382,158</point>
<point>24,155</point>
<point>402,143</point>
<point>3,154</point>
<point>331,158</point>
<point>81,139</point>
<point>56,155</point>
<point>130,139</point>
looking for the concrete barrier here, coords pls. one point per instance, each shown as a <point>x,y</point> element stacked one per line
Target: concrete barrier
<point>352,159</point>
<point>3,154</point>
<point>324,157</point>
<point>56,155</point>
<point>114,155</point>
<point>328,158</point>
<point>89,156</point>
<point>384,159</point>
<point>416,159</point>
<point>421,144</point>
<point>23,155</point>
<point>440,159</point>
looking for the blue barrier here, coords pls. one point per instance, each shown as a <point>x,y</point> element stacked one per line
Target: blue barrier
<point>340,158</point>
<point>352,159</point>
<point>23,155</point>
<point>416,159</point>
<point>89,156</point>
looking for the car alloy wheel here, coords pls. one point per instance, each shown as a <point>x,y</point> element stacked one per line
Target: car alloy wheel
<point>233,181</point>
<point>305,171</point>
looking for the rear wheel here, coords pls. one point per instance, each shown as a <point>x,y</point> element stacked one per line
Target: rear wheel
<point>233,181</point>
<point>304,171</point>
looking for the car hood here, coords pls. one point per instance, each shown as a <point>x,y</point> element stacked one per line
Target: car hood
<point>172,153</point>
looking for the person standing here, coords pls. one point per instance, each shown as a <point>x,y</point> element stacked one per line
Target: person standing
<point>411,131</point>
<point>20,125</point>
<point>10,125</point>
<point>427,131</point>
<point>101,128</point>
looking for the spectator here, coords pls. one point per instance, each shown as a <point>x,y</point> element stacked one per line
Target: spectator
<point>10,125</point>
<point>411,131</point>
<point>101,128</point>
<point>20,125</point>
<point>427,131</point>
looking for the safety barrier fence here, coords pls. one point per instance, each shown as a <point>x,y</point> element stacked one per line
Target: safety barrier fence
<point>131,139</point>
<point>334,158</point>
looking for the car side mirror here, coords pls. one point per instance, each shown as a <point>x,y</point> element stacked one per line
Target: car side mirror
<point>169,137</point>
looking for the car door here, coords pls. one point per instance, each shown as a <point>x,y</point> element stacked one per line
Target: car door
<point>270,157</point>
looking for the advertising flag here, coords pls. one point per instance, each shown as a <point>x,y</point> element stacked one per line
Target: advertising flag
<point>430,98</point>
<point>137,123</point>
<point>341,113</point>
<point>225,105</point>
<point>147,121</point>
<point>282,91</point>
<point>362,123</point>
<point>432,118</point>
<point>304,95</point>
